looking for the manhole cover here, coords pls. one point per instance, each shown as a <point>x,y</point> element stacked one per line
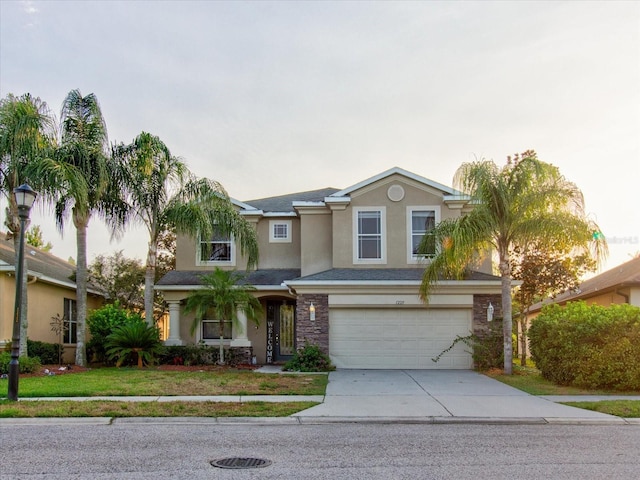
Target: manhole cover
<point>238,462</point>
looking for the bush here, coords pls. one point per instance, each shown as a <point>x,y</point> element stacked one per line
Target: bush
<point>588,346</point>
<point>487,350</point>
<point>48,353</point>
<point>133,341</point>
<point>26,364</point>
<point>309,359</point>
<point>200,355</point>
<point>101,323</point>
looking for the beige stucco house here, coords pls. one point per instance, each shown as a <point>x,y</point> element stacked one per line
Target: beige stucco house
<point>338,268</point>
<point>51,291</point>
<point>620,284</point>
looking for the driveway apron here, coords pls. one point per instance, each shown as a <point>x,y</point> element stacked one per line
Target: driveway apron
<point>433,393</point>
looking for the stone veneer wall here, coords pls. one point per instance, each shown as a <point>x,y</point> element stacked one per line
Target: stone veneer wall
<point>316,332</point>
<point>480,304</point>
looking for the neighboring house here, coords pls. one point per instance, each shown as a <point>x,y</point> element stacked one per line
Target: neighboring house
<point>621,284</point>
<point>51,291</point>
<point>338,268</point>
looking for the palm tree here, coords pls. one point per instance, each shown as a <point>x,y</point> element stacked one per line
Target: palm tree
<point>224,296</point>
<point>82,180</point>
<point>164,196</point>
<point>27,132</point>
<point>525,201</point>
<point>133,337</point>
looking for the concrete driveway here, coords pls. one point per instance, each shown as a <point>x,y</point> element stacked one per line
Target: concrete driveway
<point>450,394</point>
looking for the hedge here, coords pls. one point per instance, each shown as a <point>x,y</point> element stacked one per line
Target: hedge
<point>588,346</point>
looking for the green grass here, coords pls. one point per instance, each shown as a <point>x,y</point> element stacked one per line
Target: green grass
<point>529,379</point>
<point>142,382</point>
<point>115,409</point>
<point>619,408</point>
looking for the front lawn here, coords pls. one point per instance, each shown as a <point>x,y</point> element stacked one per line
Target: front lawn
<point>529,379</point>
<point>154,382</point>
<point>99,408</point>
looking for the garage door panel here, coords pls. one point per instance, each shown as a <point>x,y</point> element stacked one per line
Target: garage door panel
<point>403,338</point>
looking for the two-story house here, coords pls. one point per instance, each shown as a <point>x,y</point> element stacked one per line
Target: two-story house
<point>339,268</point>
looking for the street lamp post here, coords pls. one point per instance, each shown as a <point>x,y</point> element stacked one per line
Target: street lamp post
<point>25,197</point>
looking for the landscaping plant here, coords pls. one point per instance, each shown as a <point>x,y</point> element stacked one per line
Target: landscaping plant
<point>134,338</point>
<point>588,345</point>
<point>102,323</point>
<point>309,358</point>
<point>27,364</point>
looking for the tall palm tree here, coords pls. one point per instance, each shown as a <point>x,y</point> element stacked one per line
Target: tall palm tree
<point>164,195</point>
<point>525,201</point>
<point>223,295</point>
<point>82,180</point>
<point>27,132</point>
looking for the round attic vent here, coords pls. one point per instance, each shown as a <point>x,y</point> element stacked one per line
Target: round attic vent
<point>395,193</point>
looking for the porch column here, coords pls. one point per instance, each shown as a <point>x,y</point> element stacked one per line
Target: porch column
<point>174,323</point>
<point>240,338</point>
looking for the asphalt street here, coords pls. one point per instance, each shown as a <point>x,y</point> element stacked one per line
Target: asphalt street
<point>144,449</point>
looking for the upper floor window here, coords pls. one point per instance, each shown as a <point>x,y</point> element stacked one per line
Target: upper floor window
<point>70,329</point>
<point>217,250</point>
<point>369,235</point>
<point>420,223</point>
<point>280,231</point>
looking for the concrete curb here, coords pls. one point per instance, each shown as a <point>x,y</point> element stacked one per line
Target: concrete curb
<point>107,421</point>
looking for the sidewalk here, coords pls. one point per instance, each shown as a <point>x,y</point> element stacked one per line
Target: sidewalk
<point>402,396</point>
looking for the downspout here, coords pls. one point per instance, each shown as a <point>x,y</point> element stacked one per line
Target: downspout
<point>623,295</point>
<point>291,292</point>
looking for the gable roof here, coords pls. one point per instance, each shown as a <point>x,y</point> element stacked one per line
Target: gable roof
<point>285,204</point>
<point>621,276</point>
<point>39,263</point>
<point>400,171</point>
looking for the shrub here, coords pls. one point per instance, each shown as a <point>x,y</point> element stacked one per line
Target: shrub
<point>199,355</point>
<point>26,364</point>
<point>48,353</point>
<point>133,338</point>
<point>101,323</point>
<point>487,350</point>
<point>588,346</point>
<point>309,358</point>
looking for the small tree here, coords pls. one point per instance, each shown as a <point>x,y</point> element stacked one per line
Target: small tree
<point>58,326</point>
<point>120,278</point>
<point>224,296</point>
<point>544,273</point>
<point>33,237</point>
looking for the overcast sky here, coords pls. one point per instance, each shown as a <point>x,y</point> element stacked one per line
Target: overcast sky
<point>271,98</point>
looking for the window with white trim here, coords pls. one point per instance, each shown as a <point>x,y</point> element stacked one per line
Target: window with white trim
<point>219,250</point>
<point>369,235</point>
<point>280,231</point>
<point>211,330</point>
<point>70,321</point>
<point>420,223</point>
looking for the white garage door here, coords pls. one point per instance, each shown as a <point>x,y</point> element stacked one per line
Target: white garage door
<point>398,338</point>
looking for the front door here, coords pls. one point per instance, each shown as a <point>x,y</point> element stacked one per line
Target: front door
<point>281,330</point>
